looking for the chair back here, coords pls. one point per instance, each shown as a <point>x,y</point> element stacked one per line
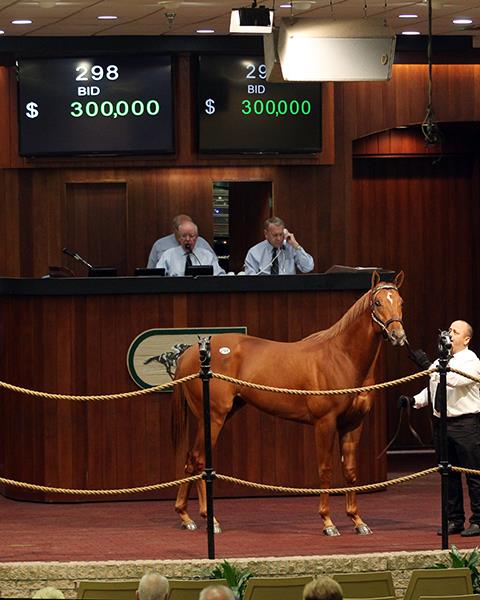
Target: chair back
<point>107,590</point>
<point>181,589</point>
<point>377,584</point>
<point>275,588</point>
<point>439,582</point>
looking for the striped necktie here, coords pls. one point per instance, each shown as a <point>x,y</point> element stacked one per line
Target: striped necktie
<point>274,267</point>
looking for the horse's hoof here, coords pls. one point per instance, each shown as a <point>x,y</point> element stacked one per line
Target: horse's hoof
<point>363,529</point>
<point>189,525</point>
<point>217,528</point>
<point>331,531</point>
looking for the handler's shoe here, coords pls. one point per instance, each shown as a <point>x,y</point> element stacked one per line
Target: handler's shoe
<point>474,529</point>
<point>454,527</point>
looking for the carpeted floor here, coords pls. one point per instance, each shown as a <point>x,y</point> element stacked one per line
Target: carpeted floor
<point>403,518</point>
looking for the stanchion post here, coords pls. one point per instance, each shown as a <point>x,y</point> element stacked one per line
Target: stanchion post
<point>209,473</point>
<point>444,347</point>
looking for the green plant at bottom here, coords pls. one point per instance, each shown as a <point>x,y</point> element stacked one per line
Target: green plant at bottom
<point>236,578</point>
<point>468,560</point>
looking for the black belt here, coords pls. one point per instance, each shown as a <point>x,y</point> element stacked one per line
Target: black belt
<point>459,417</point>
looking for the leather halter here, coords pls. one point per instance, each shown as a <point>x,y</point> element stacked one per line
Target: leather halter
<point>375,318</point>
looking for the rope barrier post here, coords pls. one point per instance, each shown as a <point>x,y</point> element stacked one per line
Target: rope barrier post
<point>444,347</point>
<point>209,473</point>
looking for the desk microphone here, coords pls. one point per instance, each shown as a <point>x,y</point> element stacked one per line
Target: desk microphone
<point>76,257</point>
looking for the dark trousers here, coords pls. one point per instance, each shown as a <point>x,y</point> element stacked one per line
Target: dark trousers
<point>463,445</point>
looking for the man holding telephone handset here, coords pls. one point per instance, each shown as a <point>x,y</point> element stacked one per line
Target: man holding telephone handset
<point>278,254</point>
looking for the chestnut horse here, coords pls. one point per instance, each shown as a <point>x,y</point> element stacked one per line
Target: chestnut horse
<point>343,356</point>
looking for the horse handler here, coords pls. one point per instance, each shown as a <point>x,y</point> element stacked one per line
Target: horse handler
<point>463,427</point>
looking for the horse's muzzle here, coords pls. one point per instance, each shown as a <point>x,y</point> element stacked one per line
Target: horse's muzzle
<point>397,336</point>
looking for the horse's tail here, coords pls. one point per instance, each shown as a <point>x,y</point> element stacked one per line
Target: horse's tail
<point>179,417</point>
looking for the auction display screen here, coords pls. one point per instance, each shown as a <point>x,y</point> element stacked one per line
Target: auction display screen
<point>240,112</point>
<point>102,105</point>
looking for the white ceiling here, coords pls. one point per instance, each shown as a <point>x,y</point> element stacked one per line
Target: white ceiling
<point>149,17</point>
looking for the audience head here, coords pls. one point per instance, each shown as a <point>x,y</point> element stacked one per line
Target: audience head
<point>153,586</point>
<point>187,235</point>
<point>48,592</point>
<point>273,230</point>
<point>216,592</point>
<point>322,588</point>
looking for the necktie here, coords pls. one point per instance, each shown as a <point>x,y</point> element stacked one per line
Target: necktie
<point>188,261</point>
<point>274,267</point>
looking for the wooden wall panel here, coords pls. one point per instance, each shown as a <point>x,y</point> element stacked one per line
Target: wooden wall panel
<point>418,215</point>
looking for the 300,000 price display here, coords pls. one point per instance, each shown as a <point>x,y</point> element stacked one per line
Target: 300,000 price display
<point>276,108</point>
<point>120,108</point>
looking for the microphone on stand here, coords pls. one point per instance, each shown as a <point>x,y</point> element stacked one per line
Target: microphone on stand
<point>77,256</point>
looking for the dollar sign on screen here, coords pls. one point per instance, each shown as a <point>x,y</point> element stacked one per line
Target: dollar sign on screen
<point>32,111</point>
<point>209,106</point>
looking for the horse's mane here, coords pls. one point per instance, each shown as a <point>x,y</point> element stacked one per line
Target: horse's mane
<point>360,306</point>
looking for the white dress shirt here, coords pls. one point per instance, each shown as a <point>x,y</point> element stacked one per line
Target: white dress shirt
<point>463,396</point>
<point>173,261</point>
<point>259,260</point>
<point>170,241</point>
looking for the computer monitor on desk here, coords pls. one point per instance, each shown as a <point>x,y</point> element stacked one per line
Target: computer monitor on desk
<point>102,272</point>
<point>195,270</point>
<point>145,272</point>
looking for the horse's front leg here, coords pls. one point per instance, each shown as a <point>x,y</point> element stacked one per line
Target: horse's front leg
<point>349,447</point>
<point>324,438</point>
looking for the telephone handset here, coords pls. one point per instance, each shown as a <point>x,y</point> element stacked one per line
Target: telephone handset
<point>286,236</point>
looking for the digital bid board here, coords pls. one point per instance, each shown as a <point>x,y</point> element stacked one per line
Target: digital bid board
<point>96,105</point>
<point>240,112</point>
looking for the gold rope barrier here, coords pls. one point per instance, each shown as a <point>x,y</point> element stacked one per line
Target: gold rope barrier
<point>465,470</point>
<point>260,486</point>
<point>156,388</point>
<point>341,490</point>
<point>366,388</point>
<point>134,490</point>
<point>463,374</point>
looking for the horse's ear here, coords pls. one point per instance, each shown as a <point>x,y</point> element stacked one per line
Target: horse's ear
<point>375,279</point>
<point>399,279</point>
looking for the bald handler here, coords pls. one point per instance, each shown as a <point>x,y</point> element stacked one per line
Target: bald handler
<point>463,427</point>
<point>173,240</point>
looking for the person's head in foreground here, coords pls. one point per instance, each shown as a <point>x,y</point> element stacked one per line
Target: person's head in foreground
<point>216,592</point>
<point>153,586</point>
<point>322,588</point>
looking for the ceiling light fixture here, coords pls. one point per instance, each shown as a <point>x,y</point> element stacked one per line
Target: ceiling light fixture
<point>310,49</point>
<point>21,22</point>
<point>205,30</point>
<point>107,17</point>
<point>462,21</point>
<point>1,32</point>
<point>410,33</point>
<point>412,16</point>
<point>256,19</point>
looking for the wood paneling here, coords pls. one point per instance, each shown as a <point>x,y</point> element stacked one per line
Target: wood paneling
<point>79,345</point>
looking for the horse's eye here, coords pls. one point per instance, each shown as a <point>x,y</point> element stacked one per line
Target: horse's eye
<point>378,303</point>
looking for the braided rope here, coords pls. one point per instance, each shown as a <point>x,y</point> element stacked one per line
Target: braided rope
<point>134,490</point>
<point>366,388</point>
<point>142,392</point>
<point>342,490</point>
<point>252,484</point>
<point>463,374</point>
<point>464,470</point>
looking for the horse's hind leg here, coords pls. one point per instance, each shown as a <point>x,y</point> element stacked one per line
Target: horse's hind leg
<point>202,503</point>
<point>349,445</point>
<point>324,438</point>
<point>181,502</point>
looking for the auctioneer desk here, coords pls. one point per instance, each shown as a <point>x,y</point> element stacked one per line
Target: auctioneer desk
<point>72,336</point>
